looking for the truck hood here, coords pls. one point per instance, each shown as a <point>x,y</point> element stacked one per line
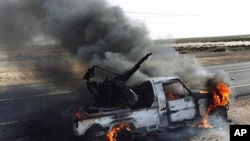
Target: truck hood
<point>199,94</point>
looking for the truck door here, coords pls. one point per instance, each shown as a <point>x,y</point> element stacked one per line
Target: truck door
<point>180,102</point>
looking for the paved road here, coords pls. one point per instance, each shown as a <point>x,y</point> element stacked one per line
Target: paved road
<point>240,74</point>
<point>42,112</point>
<point>39,111</point>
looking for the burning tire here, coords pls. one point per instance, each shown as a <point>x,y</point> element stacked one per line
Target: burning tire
<point>218,117</point>
<point>121,132</point>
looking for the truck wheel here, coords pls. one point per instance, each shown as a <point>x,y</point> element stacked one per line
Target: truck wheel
<point>122,132</point>
<point>89,135</point>
<point>124,135</point>
<point>218,117</point>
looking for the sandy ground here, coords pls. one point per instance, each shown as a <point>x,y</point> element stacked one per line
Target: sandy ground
<point>238,113</point>
<point>36,64</point>
<point>223,57</point>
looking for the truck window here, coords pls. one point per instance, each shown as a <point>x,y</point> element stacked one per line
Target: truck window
<point>145,94</point>
<point>174,91</point>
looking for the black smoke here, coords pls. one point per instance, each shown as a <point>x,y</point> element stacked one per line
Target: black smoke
<point>89,29</point>
<point>94,33</point>
<point>91,32</point>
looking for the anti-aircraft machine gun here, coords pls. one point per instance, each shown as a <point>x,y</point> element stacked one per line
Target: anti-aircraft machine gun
<point>113,92</point>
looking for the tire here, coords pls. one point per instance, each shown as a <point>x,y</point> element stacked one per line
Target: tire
<point>125,132</point>
<point>218,117</point>
<point>89,135</point>
<point>124,135</point>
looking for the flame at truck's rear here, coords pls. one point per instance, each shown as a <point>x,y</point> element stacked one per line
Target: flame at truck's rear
<point>220,97</point>
<point>112,135</point>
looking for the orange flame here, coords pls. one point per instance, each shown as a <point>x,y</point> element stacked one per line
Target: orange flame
<point>116,129</point>
<point>220,97</point>
<point>78,115</point>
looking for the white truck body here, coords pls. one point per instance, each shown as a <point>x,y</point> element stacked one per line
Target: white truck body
<point>160,112</point>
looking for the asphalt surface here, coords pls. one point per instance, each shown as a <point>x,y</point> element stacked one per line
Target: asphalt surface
<point>43,112</point>
<point>240,77</point>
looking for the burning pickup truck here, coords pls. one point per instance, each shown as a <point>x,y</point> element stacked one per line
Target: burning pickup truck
<point>122,113</point>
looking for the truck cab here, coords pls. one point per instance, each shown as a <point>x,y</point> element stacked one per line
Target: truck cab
<point>176,103</point>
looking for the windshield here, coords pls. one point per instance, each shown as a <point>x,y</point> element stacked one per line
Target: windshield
<point>174,90</point>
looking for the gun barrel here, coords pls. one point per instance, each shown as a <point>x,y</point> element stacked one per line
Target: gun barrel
<point>131,71</point>
<point>144,58</point>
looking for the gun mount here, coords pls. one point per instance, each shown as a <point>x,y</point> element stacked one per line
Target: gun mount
<point>113,92</point>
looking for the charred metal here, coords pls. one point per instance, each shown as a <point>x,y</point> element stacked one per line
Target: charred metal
<point>155,104</point>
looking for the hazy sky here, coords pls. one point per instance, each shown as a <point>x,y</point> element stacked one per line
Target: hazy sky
<point>189,18</point>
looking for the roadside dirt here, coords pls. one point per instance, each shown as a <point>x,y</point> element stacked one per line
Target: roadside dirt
<point>219,58</point>
<point>37,64</point>
<point>238,113</point>
<point>24,66</point>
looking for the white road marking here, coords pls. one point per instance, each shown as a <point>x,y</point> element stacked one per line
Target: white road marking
<point>16,121</point>
<point>58,93</point>
<point>243,85</point>
<point>33,96</point>
<point>238,70</point>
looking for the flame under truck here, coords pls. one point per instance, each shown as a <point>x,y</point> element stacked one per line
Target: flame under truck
<point>160,103</point>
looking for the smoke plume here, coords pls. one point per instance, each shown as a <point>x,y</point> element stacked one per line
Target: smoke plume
<point>92,32</point>
<point>95,33</point>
